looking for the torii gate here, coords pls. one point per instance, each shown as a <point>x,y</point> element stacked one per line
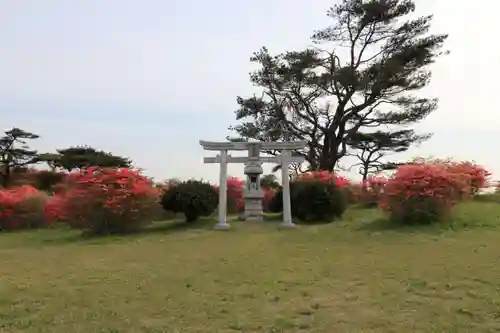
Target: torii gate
<point>253,170</point>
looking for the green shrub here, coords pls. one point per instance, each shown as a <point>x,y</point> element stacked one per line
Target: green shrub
<point>44,180</point>
<point>313,201</point>
<point>192,198</point>
<point>316,201</point>
<point>418,210</point>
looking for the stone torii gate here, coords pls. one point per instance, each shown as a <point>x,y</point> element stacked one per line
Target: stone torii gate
<point>253,169</point>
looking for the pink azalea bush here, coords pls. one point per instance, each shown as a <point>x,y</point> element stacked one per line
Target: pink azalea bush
<point>324,176</point>
<point>423,193</point>
<point>474,175</point>
<point>22,207</point>
<point>105,200</point>
<point>268,198</point>
<point>235,192</point>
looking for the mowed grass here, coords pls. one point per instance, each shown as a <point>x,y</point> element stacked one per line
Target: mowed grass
<point>355,275</point>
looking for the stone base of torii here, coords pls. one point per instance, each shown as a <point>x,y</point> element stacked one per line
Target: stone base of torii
<point>253,169</point>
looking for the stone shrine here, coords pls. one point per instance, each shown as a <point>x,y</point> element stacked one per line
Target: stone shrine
<point>253,194</point>
<point>253,169</point>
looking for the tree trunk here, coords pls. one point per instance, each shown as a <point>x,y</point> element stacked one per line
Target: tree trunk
<point>329,154</point>
<point>5,176</point>
<point>327,165</point>
<point>328,162</point>
<point>364,174</point>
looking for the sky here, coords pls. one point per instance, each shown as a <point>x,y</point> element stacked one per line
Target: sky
<point>148,79</point>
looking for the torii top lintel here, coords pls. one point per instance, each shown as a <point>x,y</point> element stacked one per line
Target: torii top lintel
<point>273,145</point>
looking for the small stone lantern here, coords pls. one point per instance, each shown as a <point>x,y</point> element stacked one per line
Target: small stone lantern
<point>253,193</point>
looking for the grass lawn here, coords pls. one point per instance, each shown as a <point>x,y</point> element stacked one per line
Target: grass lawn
<point>350,276</point>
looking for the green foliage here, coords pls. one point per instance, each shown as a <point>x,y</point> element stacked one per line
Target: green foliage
<point>15,153</point>
<point>318,201</point>
<point>83,156</point>
<point>193,198</point>
<point>276,203</point>
<point>314,95</point>
<point>44,180</point>
<point>371,147</point>
<point>418,211</point>
<point>313,201</point>
<point>269,182</point>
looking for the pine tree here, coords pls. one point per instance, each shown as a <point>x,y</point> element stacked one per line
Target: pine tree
<point>366,71</point>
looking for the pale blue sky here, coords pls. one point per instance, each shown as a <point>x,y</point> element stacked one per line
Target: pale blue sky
<point>148,79</point>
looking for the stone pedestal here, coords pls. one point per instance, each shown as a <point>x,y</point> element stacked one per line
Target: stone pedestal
<point>287,225</point>
<point>253,206</point>
<point>222,226</point>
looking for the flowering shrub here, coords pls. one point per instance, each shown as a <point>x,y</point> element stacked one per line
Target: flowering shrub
<point>104,200</point>
<point>54,209</point>
<point>475,175</point>
<point>268,198</point>
<point>422,193</point>
<point>235,200</point>
<point>21,208</point>
<point>326,177</point>
<point>235,195</point>
<point>371,191</point>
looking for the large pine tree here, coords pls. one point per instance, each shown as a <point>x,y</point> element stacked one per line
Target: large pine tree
<point>15,153</point>
<point>366,71</point>
<point>84,156</point>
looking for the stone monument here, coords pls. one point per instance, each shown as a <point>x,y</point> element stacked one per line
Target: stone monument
<point>253,169</point>
<point>253,194</point>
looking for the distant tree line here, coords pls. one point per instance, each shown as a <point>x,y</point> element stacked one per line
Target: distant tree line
<point>16,155</point>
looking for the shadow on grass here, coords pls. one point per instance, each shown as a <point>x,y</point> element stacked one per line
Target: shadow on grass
<point>167,227</point>
<point>384,224</point>
<point>278,218</point>
<point>61,234</point>
<point>273,217</point>
<point>159,227</point>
